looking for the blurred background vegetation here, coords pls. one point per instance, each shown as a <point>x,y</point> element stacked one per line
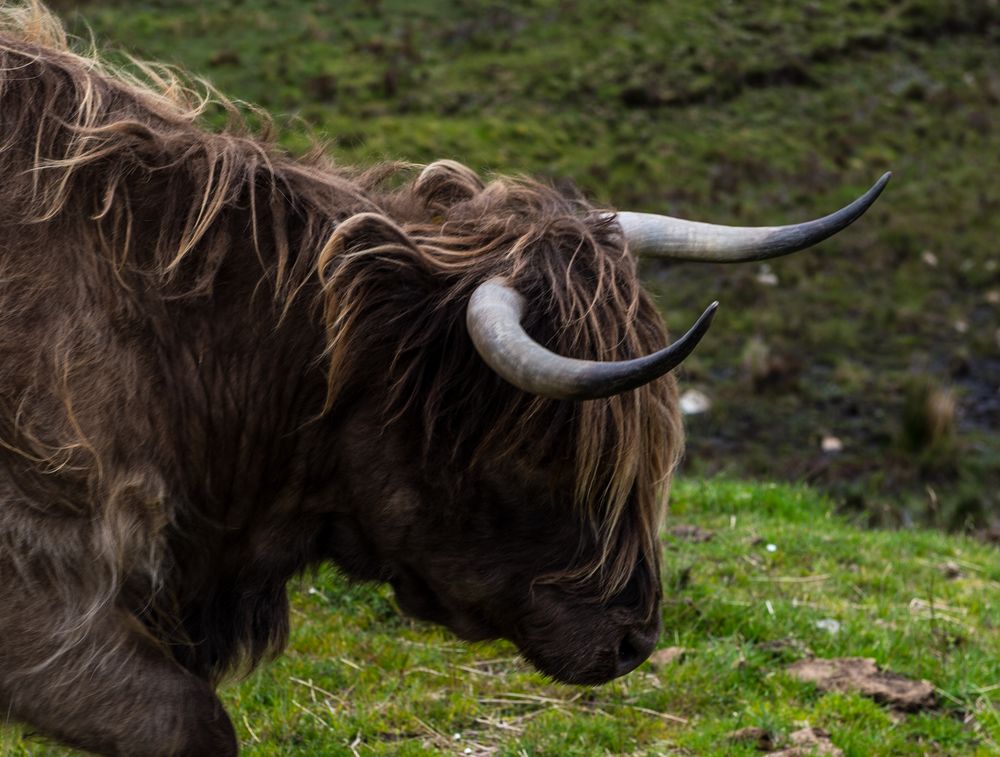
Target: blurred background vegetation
<point>869,367</point>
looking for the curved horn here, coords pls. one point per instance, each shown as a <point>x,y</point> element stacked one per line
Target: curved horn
<point>494,322</point>
<point>675,238</point>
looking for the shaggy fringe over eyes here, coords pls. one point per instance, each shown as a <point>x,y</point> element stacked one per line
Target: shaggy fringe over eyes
<point>96,149</point>
<point>407,284</point>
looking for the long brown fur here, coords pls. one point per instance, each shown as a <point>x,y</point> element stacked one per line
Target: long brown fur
<point>111,180</point>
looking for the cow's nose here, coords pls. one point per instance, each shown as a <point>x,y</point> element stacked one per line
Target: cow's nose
<point>636,645</point>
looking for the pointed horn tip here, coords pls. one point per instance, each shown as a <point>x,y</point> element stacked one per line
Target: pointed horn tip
<point>700,327</point>
<point>704,322</point>
<point>707,316</point>
<point>865,201</point>
<point>879,185</point>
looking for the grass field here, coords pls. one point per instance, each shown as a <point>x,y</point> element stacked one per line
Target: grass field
<point>360,678</point>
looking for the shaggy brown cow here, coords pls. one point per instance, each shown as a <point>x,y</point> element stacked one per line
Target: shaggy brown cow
<point>222,365</point>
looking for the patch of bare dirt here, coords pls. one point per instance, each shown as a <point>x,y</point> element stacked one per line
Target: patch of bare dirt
<point>809,741</point>
<point>668,656</point>
<point>861,675</point>
<point>686,532</point>
<point>761,738</point>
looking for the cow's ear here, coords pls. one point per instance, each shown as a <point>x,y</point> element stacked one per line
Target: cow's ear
<point>371,236</point>
<point>375,282</point>
<point>366,231</point>
<point>445,183</point>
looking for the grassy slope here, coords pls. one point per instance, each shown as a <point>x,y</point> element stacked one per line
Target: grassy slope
<point>735,112</point>
<point>358,673</point>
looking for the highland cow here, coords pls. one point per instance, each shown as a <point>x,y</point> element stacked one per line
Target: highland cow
<point>222,365</point>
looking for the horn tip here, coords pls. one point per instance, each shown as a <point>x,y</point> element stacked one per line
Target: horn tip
<point>879,185</point>
<point>704,321</point>
<point>865,201</point>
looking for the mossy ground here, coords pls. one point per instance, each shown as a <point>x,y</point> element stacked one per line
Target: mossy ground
<point>360,678</point>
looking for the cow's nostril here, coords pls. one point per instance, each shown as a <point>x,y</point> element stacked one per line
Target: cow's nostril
<point>627,654</point>
<point>634,647</point>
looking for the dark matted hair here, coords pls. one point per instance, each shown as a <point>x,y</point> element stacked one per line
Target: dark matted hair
<point>389,256</point>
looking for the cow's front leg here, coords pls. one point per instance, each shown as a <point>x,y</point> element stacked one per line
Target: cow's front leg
<point>104,686</point>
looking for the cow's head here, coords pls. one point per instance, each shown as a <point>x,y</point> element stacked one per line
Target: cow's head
<point>511,425</point>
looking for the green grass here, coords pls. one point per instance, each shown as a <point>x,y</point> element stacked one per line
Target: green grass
<point>357,673</point>
<point>734,112</point>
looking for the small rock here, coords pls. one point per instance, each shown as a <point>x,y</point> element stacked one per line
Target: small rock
<point>694,402</point>
<point>761,738</point>
<point>930,258</point>
<point>828,624</point>
<point>861,675</point>
<point>766,276</point>
<point>810,741</point>
<point>961,326</point>
<point>668,656</point>
<point>831,444</point>
<point>687,532</point>
<point>951,569</point>
<point>993,297</point>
